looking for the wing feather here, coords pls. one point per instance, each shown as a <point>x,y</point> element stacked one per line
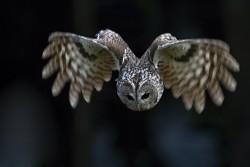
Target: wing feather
<point>190,67</point>
<point>85,62</point>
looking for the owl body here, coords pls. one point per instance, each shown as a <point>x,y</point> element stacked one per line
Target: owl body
<point>187,67</point>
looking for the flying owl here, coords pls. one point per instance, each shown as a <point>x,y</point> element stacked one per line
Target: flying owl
<point>188,67</point>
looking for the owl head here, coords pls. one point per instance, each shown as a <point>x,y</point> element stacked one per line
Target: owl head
<point>139,91</point>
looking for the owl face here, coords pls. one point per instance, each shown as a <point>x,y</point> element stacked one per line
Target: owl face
<point>139,92</point>
<point>138,97</point>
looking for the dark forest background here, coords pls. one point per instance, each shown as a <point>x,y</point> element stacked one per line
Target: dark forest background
<point>38,130</point>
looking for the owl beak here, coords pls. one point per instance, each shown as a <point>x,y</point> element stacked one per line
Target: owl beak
<point>138,107</point>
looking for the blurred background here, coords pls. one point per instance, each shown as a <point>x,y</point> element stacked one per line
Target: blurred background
<point>38,130</point>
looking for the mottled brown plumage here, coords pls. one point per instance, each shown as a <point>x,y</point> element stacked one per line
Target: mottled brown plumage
<point>187,67</point>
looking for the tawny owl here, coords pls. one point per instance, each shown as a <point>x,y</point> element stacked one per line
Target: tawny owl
<point>189,67</point>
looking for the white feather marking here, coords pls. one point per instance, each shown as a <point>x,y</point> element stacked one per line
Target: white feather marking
<point>44,73</point>
<point>207,56</point>
<point>83,73</point>
<point>203,80</point>
<point>220,100</point>
<point>180,76</point>
<point>192,83</point>
<point>73,102</point>
<point>201,61</point>
<point>189,75</point>
<point>62,48</point>
<point>233,85</point>
<point>86,66</point>
<point>213,73</point>
<point>198,72</point>
<point>69,46</point>
<point>55,90</point>
<point>67,57</point>
<point>79,80</point>
<point>74,66</point>
<point>200,52</point>
<point>69,73</point>
<point>86,97</point>
<point>215,58</point>
<point>207,67</point>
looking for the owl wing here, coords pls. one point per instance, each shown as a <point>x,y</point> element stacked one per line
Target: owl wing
<point>190,67</point>
<point>85,62</point>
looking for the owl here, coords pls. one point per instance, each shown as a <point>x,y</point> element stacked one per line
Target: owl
<point>188,67</point>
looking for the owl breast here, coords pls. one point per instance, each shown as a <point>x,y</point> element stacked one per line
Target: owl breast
<point>139,86</point>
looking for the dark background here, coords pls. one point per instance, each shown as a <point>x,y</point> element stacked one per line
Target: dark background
<point>38,130</point>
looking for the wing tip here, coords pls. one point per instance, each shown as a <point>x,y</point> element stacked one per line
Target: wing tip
<point>44,73</point>
<point>73,103</point>
<point>219,101</point>
<point>187,105</point>
<point>55,91</point>
<point>98,88</point>
<point>235,64</point>
<point>45,54</point>
<point>87,98</point>
<point>199,109</point>
<point>237,67</point>
<point>233,86</point>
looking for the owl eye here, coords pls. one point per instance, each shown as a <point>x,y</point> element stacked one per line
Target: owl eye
<point>145,96</point>
<point>130,97</point>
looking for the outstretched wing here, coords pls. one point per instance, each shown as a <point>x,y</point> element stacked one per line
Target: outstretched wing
<point>190,67</point>
<point>85,62</point>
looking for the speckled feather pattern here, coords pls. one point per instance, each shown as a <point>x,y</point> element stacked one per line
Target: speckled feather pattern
<point>187,67</point>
